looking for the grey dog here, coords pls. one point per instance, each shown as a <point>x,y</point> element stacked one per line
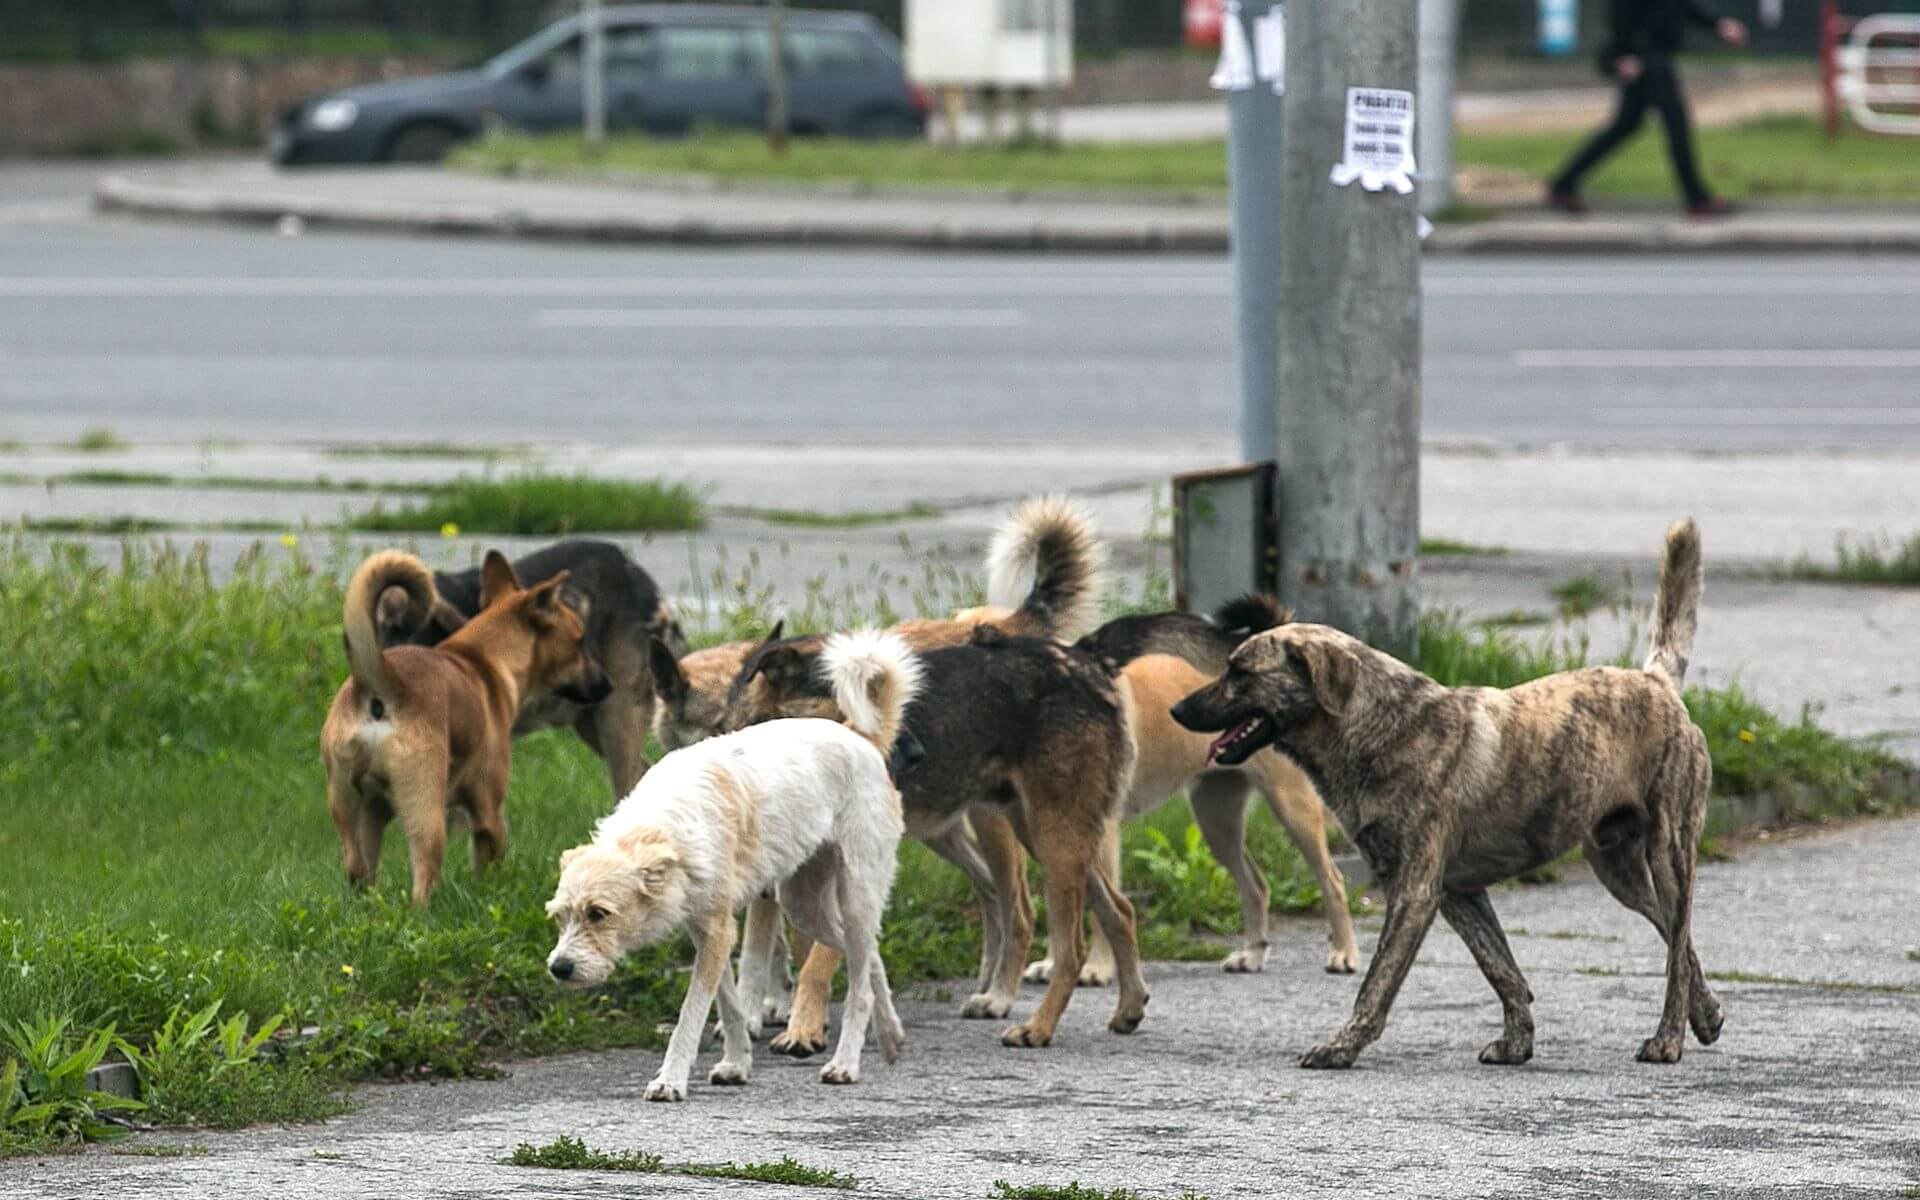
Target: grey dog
<point>1448,790</point>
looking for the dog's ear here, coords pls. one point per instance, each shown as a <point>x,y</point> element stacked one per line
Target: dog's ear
<point>654,859</point>
<point>669,681</point>
<point>543,602</point>
<point>576,598</point>
<point>496,578</point>
<point>567,856</point>
<point>1332,671</point>
<point>785,668</point>
<point>445,617</point>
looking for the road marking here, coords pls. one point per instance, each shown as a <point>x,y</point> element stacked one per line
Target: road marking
<point>1746,417</point>
<point>1722,360</point>
<point>779,318</point>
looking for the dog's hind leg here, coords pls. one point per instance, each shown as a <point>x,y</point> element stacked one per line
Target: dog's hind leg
<point>1675,809</point>
<point>997,909</point>
<point>359,823</point>
<point>713,954</point>
<point>1472,917</point>
<point>806,1031</point>
<point>756,958</point>
<point>1099,968</point>
<point>1219,803</point>
<point>1113,916</point>
<point>1413,898</point>
<point>857,939</point>
<point>1297,807</point>
<point>420,798</point>
<point>1067,856</point>
<point>488,804</point>
<point>1621,866</point>
<point>616,730</point>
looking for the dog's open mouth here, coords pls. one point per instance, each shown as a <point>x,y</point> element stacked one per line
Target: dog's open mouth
<point>1239,743</point>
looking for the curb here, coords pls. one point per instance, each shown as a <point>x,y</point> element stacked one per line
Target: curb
<point>1202,233</point>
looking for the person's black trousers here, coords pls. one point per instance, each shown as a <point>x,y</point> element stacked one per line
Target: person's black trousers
<point>1658,88</point>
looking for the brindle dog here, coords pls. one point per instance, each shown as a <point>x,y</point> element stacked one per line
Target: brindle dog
<point>1450,790</point>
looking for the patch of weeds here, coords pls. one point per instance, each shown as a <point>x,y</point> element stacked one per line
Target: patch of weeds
<point>160,1150</point>
<point>199,1070</point>
<point>566,1153</point>
<point>1584,594</point>
<point>786,1171</point>
<point>1002,1190</point>
<point>1565,935</point>
<point>1448,548</point>
<point>329,1156</point>
<point>44,1097</point>
<point>100,439</point>
<point>422,450</point>
<point>1605,972</point>
<point>1914,954</point>
<point>1879,560</point>
<point>122,525</point>
<point>1190,889</point>
<point>1817,773</point>
<point>1825,985</point>
<point>1460,655</point>
<point>814,519</point>
<point>537,503</point>
<point>1514,618</point>
<point>239,483</point>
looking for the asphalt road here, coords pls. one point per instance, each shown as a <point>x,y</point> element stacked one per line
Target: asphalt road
<point>1813,1089</point>
<point>181,333</point>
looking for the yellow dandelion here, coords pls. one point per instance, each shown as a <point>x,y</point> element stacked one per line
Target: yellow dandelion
<point>1746,735</point>
<point>289,541</point>
<point>449,530</point>
<point>346,970</point>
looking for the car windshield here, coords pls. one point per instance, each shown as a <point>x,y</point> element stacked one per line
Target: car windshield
<point>528,50</point>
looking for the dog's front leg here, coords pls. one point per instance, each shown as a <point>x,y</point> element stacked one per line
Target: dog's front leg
<point>713,949</point>
<point>1411,906</point>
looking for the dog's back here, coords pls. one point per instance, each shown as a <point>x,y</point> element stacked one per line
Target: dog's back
<point>1206,644</point>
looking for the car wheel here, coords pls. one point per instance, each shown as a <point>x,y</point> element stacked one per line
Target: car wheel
<point>423,143</point>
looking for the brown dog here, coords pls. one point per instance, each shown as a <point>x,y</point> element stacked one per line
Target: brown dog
<point>1450,790</point>
<point>416,731</point>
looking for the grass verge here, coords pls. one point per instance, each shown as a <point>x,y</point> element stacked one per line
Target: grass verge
<point>536,503</point>
<point>1768,157</point>
<point>168,877</point>
<point>567,1153</point>
<point>1002,1190</point>
<point>1881,561</point>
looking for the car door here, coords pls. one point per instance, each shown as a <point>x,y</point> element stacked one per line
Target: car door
<point>544,93</point>
<point>699,76</point>
<point>831,74</point>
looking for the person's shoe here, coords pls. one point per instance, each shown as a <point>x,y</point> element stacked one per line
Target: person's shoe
<point>1712,206</point>
<point>1571,203</point>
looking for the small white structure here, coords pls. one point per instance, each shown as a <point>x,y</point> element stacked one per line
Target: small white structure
<point>1013,44</point>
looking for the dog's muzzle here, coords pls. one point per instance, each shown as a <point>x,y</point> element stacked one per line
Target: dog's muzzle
<point>561,969</point>
<point>591,690</point>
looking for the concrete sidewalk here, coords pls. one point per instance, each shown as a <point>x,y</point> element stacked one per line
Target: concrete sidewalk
<point>1812,1090</point>
<point>699,211</point>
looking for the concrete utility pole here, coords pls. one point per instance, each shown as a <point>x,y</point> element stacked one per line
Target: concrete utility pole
<point>1348,492</point>
<point>1439,37</point>
<point>777,76</point>
<point>1253,200</point>
<point>593,73</point>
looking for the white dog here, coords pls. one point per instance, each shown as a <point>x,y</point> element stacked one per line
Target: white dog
<point>802,806</point>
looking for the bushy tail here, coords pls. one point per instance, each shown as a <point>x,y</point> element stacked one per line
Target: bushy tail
<point>1049,540</point>
<point>1252,613</point>
<point>387,569</point>
<point>874,676</point>
<point>1676,606</point>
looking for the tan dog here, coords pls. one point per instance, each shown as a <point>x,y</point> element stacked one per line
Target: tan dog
<point>1448,791</point>
<point>417,732</point>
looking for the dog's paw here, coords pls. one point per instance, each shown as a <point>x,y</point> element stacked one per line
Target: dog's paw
<point>798,1043</point>
<point>1126,1020</point>
<point>892,1037</point>
<point>1707,1023</point>
<point>1025,1037</point>
<point>1096,974</point>
<point>985,1006</point>
<point>1329,1056</point>
<point>666,1091</point>
<point>1504,1053</point>
<point>1660,1050</point>
<point>1039,972</point>
<point>774,1015</point>
<point>726,1074</point>
<point>834,1072</point>
<point>1342,962</point>
<point>1245,961</point>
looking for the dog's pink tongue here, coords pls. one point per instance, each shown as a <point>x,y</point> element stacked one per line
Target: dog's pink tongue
<point>1218,744</point>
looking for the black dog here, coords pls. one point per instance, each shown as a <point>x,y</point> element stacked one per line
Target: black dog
<point>623,611</point>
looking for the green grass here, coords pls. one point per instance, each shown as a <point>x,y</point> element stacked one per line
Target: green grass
<point>1770,157</point>
<point>99,440</point>
<point>1766,158</point>
<point>1880,560</point>
<point>567,1153</point>
<point>52,43</point>
<point>1825,985</point>
<point>1002,1190</point>
<point>160,1150</point>
<point>423,450</point>
<point>815,519</point>
<point>539,503</point>
<point>1449,547</point>
<point>1584,594</point>
<point>224,483</point>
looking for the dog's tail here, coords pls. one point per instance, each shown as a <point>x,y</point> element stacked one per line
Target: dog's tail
<point>1255,612</point>
<point>1676,606</point>
<point>1049,540</point>
<point>387,569</point>
<point>874,676</point>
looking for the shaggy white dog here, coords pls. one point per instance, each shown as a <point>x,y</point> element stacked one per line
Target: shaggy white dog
<point>804,807</point>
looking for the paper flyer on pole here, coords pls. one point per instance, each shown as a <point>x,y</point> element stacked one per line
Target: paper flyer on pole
<point>1378,150</point>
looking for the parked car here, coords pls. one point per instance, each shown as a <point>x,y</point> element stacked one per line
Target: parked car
<point>668,69</point>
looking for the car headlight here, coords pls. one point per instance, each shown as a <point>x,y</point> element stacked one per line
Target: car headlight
<point>331,116</point>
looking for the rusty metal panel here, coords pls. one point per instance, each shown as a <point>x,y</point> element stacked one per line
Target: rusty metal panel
<point>1223,535</point>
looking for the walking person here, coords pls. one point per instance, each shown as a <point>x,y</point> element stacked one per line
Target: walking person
<point>1639,55</point>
